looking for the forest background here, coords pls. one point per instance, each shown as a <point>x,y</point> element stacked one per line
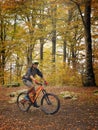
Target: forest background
<point>61,34</point>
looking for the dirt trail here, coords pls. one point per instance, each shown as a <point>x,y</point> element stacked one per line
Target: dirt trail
<point>80,114</point>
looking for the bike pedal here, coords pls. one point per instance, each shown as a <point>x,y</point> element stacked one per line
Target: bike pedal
<point>36,105</point>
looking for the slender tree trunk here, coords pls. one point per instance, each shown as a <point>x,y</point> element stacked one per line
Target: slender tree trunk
<point>41,48</point>
<point>69,51</point>
<point>53,45</point>
<point>29,54</point>
<point>54,34</point>
<point>73,56</point>
<point>2,51</point>
<point>31,33</point>
<point>64,51</point>
<point>41,27</point>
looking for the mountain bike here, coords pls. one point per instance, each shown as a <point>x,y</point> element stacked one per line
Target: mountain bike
<point>49,102</point>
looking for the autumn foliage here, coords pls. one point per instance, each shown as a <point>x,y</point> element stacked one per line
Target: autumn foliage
<point>50,31</point>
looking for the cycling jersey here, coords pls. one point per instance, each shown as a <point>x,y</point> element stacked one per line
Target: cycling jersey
<point>32,72</point>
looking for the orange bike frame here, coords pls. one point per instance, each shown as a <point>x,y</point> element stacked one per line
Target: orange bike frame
<point>38,90</point>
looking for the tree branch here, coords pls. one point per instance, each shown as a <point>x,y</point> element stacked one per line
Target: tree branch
<point>78,6</point>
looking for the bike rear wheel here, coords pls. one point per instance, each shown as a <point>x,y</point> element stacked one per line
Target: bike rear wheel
<point>50,103</point>
<point>23,104</point>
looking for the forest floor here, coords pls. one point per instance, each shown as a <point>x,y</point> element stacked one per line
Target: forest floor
<point>79,114</point>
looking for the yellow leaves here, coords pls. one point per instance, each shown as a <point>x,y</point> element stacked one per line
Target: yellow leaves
<point>95,9</point>
<point>58,74</point>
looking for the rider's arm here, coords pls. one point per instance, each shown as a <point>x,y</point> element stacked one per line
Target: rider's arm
<point>33,79</point>
<point>40,74</point>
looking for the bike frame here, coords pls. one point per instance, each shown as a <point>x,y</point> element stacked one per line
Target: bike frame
<point>49,103</point>
<point>38,90</point>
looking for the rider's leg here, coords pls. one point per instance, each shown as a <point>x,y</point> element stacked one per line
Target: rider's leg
<point>33,92</point>
<point>30,87</point>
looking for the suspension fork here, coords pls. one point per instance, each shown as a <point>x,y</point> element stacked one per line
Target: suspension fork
<point>44,92</point>
<point>46,96</point>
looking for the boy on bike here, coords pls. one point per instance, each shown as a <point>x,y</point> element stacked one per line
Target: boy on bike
<point>29,79</point>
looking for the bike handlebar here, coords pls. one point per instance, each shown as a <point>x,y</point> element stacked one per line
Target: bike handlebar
<point>38,83</point>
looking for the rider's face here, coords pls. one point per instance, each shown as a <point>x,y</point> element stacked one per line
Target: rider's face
<point>35,65</point>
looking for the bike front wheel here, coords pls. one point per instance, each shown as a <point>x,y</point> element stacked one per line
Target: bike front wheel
<point>50,103</point>
<point>23,104</point>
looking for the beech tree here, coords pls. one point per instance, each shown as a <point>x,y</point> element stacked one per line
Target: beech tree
<point>89,79</point>
<point>27,25</point>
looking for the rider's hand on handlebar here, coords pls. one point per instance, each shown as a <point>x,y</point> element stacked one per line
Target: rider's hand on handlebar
<point>46,83</point>
<point>36,81</point>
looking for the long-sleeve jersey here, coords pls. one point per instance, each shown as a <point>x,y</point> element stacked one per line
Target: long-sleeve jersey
<point>32,72</point>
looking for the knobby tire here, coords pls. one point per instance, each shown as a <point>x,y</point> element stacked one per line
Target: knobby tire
<point>23,106</point>
<point>50,103</point>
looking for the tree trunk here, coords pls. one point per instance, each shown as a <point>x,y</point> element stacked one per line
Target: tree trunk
<point>73,56</point>
<point>29,54</point>
<point>89,79</point>
<point>2,51</point>
<point>30,19</point>
<point>64,51</point>
<point>53,33</point>
<point>41,48</point>
<point>53,45</point>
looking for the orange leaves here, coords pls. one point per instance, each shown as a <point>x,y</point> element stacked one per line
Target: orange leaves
<point>8,4</point>
<point>11,4</point>
<point>81,114</point>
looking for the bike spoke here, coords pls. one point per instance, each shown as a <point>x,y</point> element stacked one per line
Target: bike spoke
<point>50,104</point>
<point>22,103</point>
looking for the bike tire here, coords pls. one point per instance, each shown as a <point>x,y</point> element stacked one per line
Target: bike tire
<point>23,106</point>
<point>50,103</point>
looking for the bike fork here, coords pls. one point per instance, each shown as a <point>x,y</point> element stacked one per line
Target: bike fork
<point>46,97</point>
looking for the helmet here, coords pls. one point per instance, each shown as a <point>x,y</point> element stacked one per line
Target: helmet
<point>35,62</point>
